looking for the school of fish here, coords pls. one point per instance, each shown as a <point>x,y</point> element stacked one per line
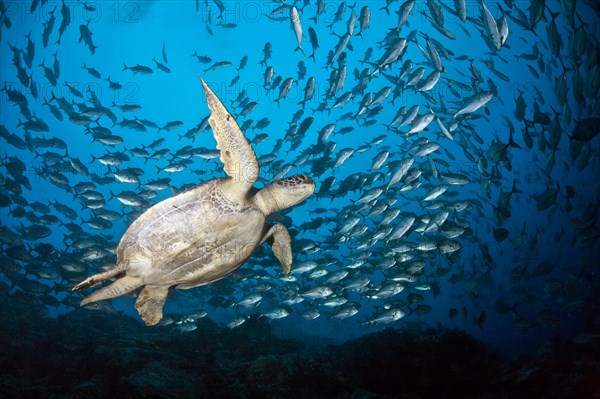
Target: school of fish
<point>420,199</point>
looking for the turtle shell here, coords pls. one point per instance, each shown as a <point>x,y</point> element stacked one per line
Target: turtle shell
<point>191,239</point>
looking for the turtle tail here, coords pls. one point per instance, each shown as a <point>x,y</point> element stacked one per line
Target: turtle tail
<point>120,287</point>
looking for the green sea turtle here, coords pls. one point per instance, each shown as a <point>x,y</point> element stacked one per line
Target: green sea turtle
<point>202,235</point>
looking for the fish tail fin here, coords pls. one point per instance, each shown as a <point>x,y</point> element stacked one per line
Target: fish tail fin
<point>511,142</point>
<point>301,50</point>
<point>514,189</point>
<point>93,159</point>
<point>124,67</point>
<point>553,15</point>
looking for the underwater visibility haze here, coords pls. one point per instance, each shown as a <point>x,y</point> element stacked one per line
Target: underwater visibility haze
<point>401,199</point>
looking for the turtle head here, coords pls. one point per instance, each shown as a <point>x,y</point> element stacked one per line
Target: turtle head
<point>284,193</point>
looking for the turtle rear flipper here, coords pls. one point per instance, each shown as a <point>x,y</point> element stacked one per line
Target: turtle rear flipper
<point>120,287</point>
<point>150,303</point>
<point>98,278</point>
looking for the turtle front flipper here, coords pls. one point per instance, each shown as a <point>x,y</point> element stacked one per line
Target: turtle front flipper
<point>120,287</point>
<point>237,155</point>
<point>150,303</point>
<point>281,242</point>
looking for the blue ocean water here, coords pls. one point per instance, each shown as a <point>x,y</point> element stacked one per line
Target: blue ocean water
<point>526,270</point>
